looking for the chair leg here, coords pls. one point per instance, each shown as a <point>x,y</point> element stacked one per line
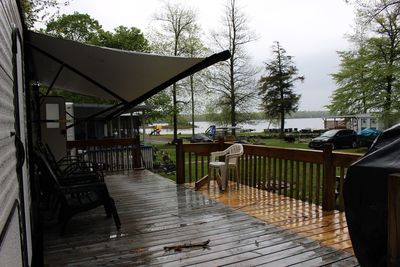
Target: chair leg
<point>108,208</point>
<point>210,176</point>
<point>223,178</point>
<point>63,227</point>
<point>237,177</point>
<point>64,218</point>
<point>115,213</point>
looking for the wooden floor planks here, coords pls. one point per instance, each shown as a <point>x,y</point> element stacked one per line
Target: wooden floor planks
<point>156,213</point>
<point>285,212</point>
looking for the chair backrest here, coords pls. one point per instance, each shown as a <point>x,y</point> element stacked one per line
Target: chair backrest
<point>46,153</point>
<point>236,150</point>
<point>45,168</point>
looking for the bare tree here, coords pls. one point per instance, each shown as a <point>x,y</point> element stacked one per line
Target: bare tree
<point>177,22</point>
<point>194,47</point>
<point>375,6</point>
<point>234,80</point>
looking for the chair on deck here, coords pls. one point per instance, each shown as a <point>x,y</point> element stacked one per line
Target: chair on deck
<point>70,165</point>
<point>75,196</point>
<point>223,168</point>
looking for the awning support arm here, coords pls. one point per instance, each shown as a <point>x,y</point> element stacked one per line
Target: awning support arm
<point>224,55</point>
<point>54,80</point>
<point>110,92</point>
<point>66,112</point>
<point>93,116</point>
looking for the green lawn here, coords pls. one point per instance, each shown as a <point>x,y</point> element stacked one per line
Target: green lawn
<point>261,139</point>
<point>306,176</point>
<point>169,150</point>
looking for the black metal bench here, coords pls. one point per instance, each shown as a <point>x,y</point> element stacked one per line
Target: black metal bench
<point>75,195</point>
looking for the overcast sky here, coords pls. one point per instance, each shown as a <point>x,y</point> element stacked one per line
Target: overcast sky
<point>310,30</point>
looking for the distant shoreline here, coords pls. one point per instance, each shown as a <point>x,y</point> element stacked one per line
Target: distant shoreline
<point>261,116</point>
<point>255,125</point>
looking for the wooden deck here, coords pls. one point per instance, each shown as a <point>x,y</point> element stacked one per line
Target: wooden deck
<point>309,220</point>
<point>156,213</point>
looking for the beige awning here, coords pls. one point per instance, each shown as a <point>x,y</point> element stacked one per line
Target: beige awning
<point>108,73</point>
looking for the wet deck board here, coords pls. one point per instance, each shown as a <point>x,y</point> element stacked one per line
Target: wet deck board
<point>156,213</point>
<point>285,212</point>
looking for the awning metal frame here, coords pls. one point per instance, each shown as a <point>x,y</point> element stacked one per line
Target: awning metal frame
<point>101,86</point>
<point>124,105</point>
<point>200,66</point>
<point>93,116</point>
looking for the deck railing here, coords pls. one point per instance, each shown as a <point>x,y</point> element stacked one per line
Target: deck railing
<point>309,175</point>
<point>114,154</point>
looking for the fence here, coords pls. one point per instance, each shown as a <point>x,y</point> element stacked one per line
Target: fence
<point>114,154</point>
<point>309,175</point>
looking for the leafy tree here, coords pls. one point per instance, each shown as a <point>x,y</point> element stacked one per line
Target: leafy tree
<point>83,28</point>
<point>76,27</point>
<point>38,10</point>
<point>354,94</point>
<point>176,23</point>
<point>233,80</point>
<point>385,30</point>
<point>220,117</point>
<point>159,107</point>
<point>379,52</point>
<point>223,115</point>
<point>124,38</point>
<point>276,88</point>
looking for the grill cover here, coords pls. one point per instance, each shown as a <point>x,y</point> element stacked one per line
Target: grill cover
<point>365,195</point>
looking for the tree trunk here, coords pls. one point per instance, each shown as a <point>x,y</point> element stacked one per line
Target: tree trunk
<point>231,65</point>
<point>192,92</point>
<point>388,103</point>
<point>282,134</point>
<point>233,98</point>
<point>282,109</point>
<point>233,118</point>
<point>175,113</point>
<point>174,100</point>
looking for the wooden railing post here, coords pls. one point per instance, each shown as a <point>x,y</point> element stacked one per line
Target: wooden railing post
<point>180,162</point>
<point>393,220</point>
<point>137,159</point>
<point>221,143</point>
<point>329,182</point>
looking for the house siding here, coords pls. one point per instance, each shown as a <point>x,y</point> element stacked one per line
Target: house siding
<point>11,212</point>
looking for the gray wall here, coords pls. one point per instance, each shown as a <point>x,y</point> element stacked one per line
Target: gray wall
<point>14,201</point>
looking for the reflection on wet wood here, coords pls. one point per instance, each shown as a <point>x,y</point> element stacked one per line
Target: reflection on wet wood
<point>306,219</point>
<point>308,175</point>
<point>156,213</point>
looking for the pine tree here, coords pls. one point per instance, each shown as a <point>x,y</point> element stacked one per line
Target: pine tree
<point>276,88</point>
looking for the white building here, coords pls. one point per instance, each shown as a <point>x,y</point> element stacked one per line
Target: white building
<point>355,122</point>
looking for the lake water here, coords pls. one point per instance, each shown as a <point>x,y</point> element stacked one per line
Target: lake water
<point>257,125</point>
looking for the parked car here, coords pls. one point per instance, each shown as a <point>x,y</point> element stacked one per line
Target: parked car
<point>338,138</point>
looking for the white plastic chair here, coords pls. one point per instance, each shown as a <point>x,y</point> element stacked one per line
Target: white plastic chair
<point>232,155</point>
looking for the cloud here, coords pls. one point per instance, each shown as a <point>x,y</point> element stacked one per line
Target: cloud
<point>310,30</point>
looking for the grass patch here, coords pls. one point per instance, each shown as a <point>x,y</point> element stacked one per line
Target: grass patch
<point>163,150</point>
<point>280,143</point>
